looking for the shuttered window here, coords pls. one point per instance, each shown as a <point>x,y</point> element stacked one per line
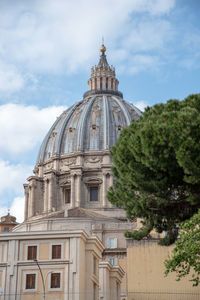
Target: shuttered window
<point>56,251</point>
<point>30,281</point>
<point>32,252</point>
<point>55,280</point>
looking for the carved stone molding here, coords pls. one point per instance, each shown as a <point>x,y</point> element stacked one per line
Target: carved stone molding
<point>94,159</point>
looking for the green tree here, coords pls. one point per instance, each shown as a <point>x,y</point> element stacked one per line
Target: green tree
<point>185,258</point>
<point>156,165</point>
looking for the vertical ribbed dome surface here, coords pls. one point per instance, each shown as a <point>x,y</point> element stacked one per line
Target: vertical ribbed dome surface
<point>92,124</point>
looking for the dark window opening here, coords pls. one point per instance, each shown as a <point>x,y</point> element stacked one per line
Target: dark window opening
<point>30,281</point>
<point>6,229</point>
<point>106,83</point>
<point>111,83</point>
<point>101,83</point>
<point>67,195</point>
<point>55,280</point>
<point>56,251</point>
<point>32,252</point>
<point>93,193</point>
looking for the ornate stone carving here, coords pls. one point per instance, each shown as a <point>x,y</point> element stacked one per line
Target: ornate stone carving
<point>94,159</point>
<point>68,162</point>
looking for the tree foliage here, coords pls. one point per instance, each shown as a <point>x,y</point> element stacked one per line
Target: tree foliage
<point>156,165</point>
<point>185,258</point>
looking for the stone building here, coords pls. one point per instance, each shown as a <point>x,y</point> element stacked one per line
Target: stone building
<point>7,223</point>
<point>67,194</point>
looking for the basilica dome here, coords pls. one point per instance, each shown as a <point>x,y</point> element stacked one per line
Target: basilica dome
<point>94,123</point>
<point>73,169</point>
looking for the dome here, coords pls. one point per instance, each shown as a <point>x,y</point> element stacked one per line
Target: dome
<point>73,168</point>
<point>94,123</point>
<point>91,124</point>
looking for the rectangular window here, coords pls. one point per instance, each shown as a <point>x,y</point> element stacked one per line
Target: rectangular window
<point>113,261</point>
<point>67,196</point>
<point>6,229</point>
<point>32,252</point>
<point>55,280</point>
<point>56,251</point>
<point>94,193</point>
<point>30,281</point>
<point>112,243</point>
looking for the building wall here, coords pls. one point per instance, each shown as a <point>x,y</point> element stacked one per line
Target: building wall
<point>145,272</point>
<point>75,265</point>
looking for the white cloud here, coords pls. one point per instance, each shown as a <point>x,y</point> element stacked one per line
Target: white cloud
<point>141,105</point>
<point>22,127</point>
<point>139,63</point>
<point>16,209</point>
<point>12,176</point>
<point>10,78</point>
<point>60,35</point>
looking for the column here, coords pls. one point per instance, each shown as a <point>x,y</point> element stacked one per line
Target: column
<point>111,180</point>
<point>50,200</point>
<point>109,83</point>
<point>72,191</point>
<point>78,188</point>
<point>46,192</point>
<point>104,189</point>
<point>33,198</point>
<point>26,201</point>
<point>30,202</point>
<point>98,83</point>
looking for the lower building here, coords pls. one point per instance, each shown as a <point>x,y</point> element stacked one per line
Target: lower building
<point>65,263</point>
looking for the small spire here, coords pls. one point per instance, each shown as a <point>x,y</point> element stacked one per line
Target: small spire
<point>103,48</point>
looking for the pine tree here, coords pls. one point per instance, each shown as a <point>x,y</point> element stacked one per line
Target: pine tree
<point>156,165</point>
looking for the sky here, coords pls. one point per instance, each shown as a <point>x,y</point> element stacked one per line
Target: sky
<point>47,49</point>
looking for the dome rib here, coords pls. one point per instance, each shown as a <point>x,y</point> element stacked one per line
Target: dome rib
<point>106,125</point>
<point>41,154</point>
<point>124,109</point>
<point>61,134</point>
<point>82,123</point>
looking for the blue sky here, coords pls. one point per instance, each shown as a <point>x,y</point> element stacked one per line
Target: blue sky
<point>48,47</point>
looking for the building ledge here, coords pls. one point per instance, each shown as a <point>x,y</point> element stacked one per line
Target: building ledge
<point>100,92</point>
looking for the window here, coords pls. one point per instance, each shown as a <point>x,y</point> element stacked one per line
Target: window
<point>113,261</point>
<point>32,252</point>
<point>55,280</point>
<point>30,281</point>
<point>112,243</point>
<point>6,229</point>
<point>56,251</point>
<point>67,196</point>
<point>94,193</point>
<point>106,83</point>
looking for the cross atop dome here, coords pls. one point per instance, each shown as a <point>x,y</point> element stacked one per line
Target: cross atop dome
<point>103,79</point>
